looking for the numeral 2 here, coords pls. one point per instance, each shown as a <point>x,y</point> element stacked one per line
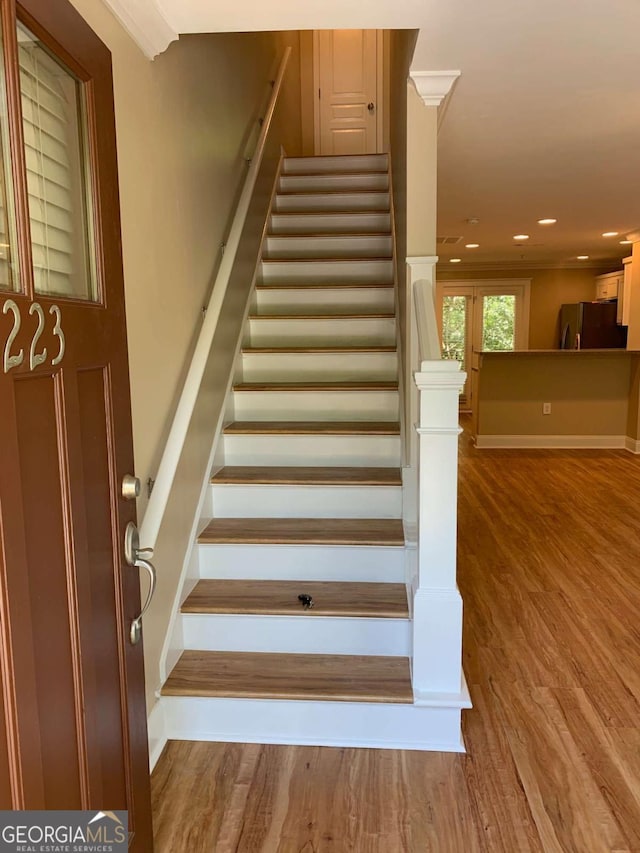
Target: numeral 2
<point>11,361</point>
<point>35,358</point>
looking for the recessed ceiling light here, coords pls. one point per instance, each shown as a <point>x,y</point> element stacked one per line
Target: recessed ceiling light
<point>547,221</point>
<point>626,242</point>
<point>472,246</point>
<point>454,260</point>
<point>610,234</point>
<point>520,236</point>
<point>583,257</point>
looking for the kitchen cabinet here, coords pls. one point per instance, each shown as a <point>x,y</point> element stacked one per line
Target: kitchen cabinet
<point>610,285</point>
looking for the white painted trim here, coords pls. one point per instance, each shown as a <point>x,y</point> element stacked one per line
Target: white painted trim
<point>554,442</point>
<point>632,444</point>
<point>156,729</point>
<point>300,634</point>
<point>145,23</point>
<point>433,86</point>
<point>417,260</point>
<point>430,726</point>
<point>156,507</point>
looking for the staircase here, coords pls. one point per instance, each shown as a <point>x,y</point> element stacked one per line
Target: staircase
<point>298,628</point>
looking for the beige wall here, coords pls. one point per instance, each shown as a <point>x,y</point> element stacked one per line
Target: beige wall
<point>588,392</point>
<point>633,415</point>
<point>422,169</point>
<point>549,290</point>
<point>183,123</point>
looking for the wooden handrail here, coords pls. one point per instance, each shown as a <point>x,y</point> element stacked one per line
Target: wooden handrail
<point>165,476</point>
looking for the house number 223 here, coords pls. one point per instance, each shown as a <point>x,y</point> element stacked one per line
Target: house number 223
<point>35,358</point>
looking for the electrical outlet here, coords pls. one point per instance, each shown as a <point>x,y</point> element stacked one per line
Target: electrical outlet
<point>546,408</point>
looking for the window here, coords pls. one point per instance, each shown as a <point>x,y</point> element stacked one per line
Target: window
<point>482,315</point>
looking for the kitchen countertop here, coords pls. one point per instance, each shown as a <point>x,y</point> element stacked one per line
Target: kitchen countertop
<point>558,352</point>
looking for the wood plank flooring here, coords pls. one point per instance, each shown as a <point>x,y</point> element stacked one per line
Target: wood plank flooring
<point>304,531</point>
<point>281,598</point>
<point>549,568</point>
<point>339,678</point>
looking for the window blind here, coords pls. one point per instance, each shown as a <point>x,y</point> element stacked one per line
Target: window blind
<point>55,172</point>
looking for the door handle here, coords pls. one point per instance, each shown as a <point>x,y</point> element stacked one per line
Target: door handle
<point>133,554</point>
<point>371,107</point>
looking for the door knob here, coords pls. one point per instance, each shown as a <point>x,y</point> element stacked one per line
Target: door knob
<point>371,107</point>
<point>133,554</point>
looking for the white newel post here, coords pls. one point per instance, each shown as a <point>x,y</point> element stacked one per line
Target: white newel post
<point>437,604</point>
<point>437,637</point>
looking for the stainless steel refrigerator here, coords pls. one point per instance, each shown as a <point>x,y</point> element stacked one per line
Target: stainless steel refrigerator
<point>591,325</point>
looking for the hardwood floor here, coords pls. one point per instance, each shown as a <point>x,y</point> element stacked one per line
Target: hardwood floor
<point>549,567</point>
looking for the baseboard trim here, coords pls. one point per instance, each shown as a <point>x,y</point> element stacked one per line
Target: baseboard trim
<point>632,445</point>
<point>299,723</point>
<point>156,729</point>
<point>553,442</point>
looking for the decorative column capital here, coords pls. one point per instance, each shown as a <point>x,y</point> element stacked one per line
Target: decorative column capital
<point>433,86</point>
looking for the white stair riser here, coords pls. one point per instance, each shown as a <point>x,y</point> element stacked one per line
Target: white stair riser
<point>318,300</point>
<point>315,405</point>
<point>316,450</point>
<point>259,367</point>
<point>347,246</point>
<point>330,223</point>
<point>329,183</point>
<point>302,562</point>
<point>271,501</point>
<point>310,202</point>
<point>346,724</point>
<point>342,272</point>
<point>333,165</point>
<point>321,635</point>
<point>333,331</point>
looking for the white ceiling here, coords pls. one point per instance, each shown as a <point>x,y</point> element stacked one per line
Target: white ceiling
<point>543,122</point>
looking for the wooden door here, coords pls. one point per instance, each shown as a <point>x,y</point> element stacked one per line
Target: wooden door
<point>73,721</point>
<point>348,91</point>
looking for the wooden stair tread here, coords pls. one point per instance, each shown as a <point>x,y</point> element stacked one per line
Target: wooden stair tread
<point>346,260</point>
<point>280,598</point>
<point>360,316</point>
<point>332,235</point>
<point>304,531</point>
<point>348,211</point>
<point>324,285</point>
<point>312,476</point>
<point>344,191</point>
<point>313,428</point>
<point>355,173</point>
<point>316,386</point>
<point>332,678</point>
<point>345,349</point>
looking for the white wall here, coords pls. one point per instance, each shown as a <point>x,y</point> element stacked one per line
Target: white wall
<point>182,123</point>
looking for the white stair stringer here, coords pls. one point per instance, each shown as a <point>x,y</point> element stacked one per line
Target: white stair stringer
<point>322,320</point>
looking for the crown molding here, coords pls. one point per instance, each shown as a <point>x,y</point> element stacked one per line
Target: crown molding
<point>433,86</point>
<point>145,23</point>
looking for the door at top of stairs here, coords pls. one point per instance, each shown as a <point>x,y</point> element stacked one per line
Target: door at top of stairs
<point>348,83</point>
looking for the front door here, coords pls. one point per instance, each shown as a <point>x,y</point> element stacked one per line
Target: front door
<point>349,91</point>
<point>72,712</point>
